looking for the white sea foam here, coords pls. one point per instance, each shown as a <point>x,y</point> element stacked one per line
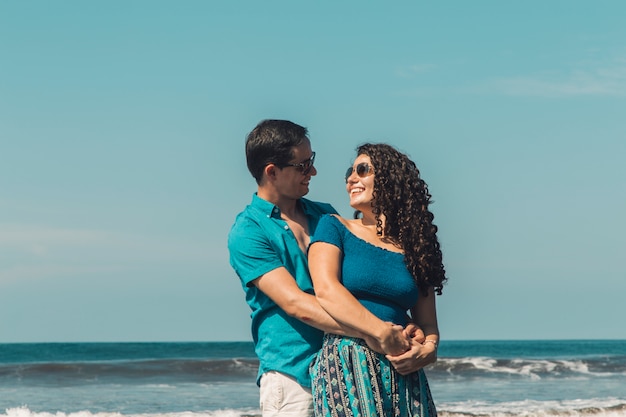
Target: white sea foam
<point>605,407</point>
<point>599,407</point>
<point>25,412</point>
<point>532,368</point>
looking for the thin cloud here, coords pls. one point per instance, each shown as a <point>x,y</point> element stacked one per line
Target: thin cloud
<point>31,253</point>
<point>39,242</point>
<point>13,234</point>
<point>411,70</point>
<point>37,272</point>
<point>609,82</point>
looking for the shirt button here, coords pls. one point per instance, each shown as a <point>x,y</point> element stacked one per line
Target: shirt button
<point>286,227</point>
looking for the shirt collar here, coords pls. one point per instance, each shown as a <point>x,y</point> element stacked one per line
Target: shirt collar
<point>272,210</point>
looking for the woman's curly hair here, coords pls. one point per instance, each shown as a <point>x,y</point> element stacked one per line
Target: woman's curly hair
<point>402,196</point>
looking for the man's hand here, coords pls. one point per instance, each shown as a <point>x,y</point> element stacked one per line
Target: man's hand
<point>373,344</point>
<point>393,340</point>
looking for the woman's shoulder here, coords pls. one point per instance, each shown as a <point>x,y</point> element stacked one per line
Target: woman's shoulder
<point>342,226</point>
<point>335,220</point>
<point>329,229</point>
<point>331,224</point>
<point>348,224</point>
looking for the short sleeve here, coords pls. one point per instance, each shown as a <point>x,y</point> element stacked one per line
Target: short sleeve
<point>251,253</point>
<point>329,230</point>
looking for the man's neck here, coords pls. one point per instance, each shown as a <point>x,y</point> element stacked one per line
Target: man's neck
<point>287,206</point>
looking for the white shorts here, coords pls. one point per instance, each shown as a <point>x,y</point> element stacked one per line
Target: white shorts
<point>282,396</point>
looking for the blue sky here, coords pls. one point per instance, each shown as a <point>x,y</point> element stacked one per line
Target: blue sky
<point>122,128</point>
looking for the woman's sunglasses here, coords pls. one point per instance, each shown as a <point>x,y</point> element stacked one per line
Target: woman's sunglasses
<point>362,170</point>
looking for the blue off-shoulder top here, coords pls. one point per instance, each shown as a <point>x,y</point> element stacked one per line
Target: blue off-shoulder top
<point>377,277</point>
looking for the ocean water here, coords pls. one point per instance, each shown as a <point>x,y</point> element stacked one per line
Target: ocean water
<point>478,378</point>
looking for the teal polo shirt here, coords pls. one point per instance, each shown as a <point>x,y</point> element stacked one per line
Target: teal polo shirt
<point>259,242</point>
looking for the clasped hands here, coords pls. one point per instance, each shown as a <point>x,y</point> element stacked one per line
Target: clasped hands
<point>404,348</point>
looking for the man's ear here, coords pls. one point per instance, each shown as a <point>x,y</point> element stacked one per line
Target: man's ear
<point>270,171</point>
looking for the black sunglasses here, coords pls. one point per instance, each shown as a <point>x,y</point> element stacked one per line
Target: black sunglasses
<point>304,166</point>
<point>362,170</point>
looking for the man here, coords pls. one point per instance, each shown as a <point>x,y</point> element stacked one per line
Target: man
<point>267,247</point>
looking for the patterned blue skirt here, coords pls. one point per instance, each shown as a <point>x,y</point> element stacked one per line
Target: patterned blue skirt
<point>351,380</point>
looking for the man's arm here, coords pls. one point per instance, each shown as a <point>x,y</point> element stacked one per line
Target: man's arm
<point>281,287</point>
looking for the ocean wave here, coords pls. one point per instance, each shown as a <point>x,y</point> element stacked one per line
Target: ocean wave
<point>240,369</point>
<point>151,370</point>
<point>533,368</point>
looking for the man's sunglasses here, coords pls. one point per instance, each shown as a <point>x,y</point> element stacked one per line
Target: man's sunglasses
<point>362,170</point>
<point>305,166</point>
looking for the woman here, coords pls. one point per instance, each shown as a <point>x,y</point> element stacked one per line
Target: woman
<point>367,273</point>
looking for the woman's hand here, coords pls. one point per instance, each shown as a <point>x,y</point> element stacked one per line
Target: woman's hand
<point>418,356</point>
<point>413,331</point>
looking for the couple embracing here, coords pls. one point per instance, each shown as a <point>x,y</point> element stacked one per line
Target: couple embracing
<point>343,310</point>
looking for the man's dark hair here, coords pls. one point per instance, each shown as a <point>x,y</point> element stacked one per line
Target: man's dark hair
<point>272,141</point>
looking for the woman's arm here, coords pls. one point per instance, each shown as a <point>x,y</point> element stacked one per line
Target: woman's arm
<point>325,268</point>
<point>420,354</point>
<point>281,287</point>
